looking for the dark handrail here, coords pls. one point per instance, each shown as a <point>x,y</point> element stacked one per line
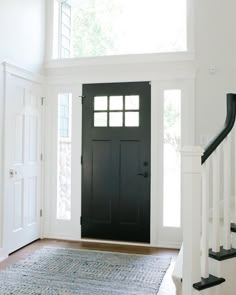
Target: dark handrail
<point>229,124</point>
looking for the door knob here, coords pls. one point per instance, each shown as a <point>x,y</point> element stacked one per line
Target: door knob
<point>12,172</point>
<point>145,174</point>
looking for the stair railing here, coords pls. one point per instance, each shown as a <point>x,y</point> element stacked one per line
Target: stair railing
<point>205,174</point>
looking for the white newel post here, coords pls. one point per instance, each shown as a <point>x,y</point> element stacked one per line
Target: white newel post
<point>191,216</point>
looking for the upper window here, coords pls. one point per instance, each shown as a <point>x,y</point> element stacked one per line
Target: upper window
<point>89,28</point>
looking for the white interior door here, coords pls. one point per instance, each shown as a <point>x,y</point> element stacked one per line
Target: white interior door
<point>22,162</point>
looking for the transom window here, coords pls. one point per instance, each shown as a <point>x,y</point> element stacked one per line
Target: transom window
<point>116,111</point>
<point>90,28</point>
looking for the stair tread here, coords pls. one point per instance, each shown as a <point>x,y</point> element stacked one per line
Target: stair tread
<point>211,281</point>
<point>222,254</point>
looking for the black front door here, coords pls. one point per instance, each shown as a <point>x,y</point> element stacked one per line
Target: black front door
<point>116,161</point>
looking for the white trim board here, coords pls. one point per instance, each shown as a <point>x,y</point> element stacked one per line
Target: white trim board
<point>121,59</point>
<point>121,73</point>
<point>3,258</point>
<point>3,255</point>
<point>22,73</point>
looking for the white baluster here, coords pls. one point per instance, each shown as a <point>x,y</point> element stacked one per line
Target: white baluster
<point>216,200</point>
<point>191,216</point>
<point>227,192</point>
<point>205,219</point>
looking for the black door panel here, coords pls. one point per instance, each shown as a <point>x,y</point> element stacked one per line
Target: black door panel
<point>116,162</point>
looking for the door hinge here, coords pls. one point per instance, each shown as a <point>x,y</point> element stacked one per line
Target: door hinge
<point>41,157</point>
<point>41,212</point>
<point>81,160</point>
<point>42,100</point>
<point>82,98</point>
<point>80,220</point>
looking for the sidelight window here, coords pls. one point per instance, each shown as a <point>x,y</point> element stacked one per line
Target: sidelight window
<point>172,141</point>
<point>64,157</point>
<point>116,111</point>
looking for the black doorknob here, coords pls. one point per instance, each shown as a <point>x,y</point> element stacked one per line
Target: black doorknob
<point>145,174</point>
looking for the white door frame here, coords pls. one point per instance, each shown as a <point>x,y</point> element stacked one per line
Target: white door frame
<point>160,236</point>
<point>167,236</point>
<point>54,228</point>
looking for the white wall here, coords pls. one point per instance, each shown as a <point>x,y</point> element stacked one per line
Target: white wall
<point>22,31</point>
<point>215,42</point>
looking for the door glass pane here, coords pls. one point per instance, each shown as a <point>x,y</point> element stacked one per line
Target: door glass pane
<point>131,119</point>
<point>66,8</point>
<point>132,102</point>
<point>65,42</point>
<point>65,19</point>
<point>172,141</point>
<point>64,157</point>
<point>116,119</point>
<point>116,103</point>
<point>65,53</point>
<point>100,119</point>
<point>65,31</point>
<point>100,103</point>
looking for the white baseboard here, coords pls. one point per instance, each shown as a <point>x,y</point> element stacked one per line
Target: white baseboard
<point>3,255</point>
<point>168,245</point>
<point>61,237</point>
<point>3,258</point>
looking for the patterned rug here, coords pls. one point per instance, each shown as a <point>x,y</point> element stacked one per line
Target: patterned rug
<point>59,271</point>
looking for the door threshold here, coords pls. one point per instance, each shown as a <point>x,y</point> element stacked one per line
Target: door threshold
<point>115,242</point>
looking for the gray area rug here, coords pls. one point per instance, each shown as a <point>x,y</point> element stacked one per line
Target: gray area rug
<point>59,271</point>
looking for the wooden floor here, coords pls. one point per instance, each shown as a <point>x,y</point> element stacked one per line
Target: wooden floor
<point>167,287</point>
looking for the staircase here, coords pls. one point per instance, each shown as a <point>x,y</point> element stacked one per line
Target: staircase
<point>207,261</point>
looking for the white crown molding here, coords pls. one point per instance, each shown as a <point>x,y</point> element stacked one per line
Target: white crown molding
<point>120,60</point>
<point>22,73</point>
<point>158,67</point>
<point>116,75</point>
<point>69,80</point>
